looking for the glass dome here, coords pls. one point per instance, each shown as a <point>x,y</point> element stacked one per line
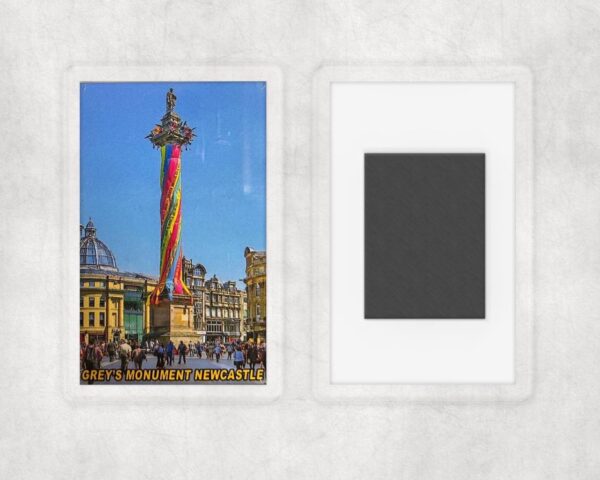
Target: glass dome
<point>93,253</point>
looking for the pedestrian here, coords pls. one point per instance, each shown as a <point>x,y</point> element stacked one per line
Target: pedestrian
<point>124,355</point>
<point>262,356</point>
<point>181,349</point>
<point>91,361</point>
<point>218,351</point>
<point>245,351</point>
<point>238,358</point>
<point>82,349</point>
<point>160,356</point>
<point>252,355</point>
<point>111,351</point>
<point>229,351</point>
<point>170,349</point>
<point>99,355</point>
<point>138,357</point>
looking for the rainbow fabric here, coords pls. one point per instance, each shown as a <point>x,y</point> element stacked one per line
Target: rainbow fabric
<point>171,254</point>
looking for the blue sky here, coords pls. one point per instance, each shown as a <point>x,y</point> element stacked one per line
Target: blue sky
<point>223,171</point>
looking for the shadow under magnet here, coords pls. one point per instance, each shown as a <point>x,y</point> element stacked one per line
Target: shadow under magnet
<point>424,236</point>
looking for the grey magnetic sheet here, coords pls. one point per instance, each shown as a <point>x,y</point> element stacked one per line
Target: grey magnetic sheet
<point>424,235</point>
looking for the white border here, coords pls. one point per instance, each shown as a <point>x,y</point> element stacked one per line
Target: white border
<point>184,394</point>
<point>421,117</point>
<point>521,389</point>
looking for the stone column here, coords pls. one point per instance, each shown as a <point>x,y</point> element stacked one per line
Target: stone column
<point>146,316</point>
<point>121,315</point>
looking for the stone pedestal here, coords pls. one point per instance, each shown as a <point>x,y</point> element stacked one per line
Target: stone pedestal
<point>174,320</point>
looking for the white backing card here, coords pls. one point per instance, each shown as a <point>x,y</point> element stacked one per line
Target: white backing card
<point>399,110</point>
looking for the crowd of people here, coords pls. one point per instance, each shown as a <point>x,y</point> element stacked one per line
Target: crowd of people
<point>243,354</point>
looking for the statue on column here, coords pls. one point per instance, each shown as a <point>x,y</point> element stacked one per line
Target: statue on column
<point>170,137</point>
<point>171,98</point>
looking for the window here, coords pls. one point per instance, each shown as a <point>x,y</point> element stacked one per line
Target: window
<point>133,301</point>
<point>92,301</point>
<point>92,283</point>
<point>81,283</point>
<point>102,302</point>
<point>92,319</point>
<point>81,301</point>
<point>101,318</point>
<point>213,327</point>
<point>81,319</point>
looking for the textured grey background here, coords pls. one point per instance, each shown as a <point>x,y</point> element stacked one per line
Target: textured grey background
<point>555,434</point>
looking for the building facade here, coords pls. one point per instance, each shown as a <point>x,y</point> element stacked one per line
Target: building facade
<point>112,304</point>
<point>256,290</point>
<point>194,275</point>
<point>223,309</point>
<point>116,305</point>
<point>218,307</point>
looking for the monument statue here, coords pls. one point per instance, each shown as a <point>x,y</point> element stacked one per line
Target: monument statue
<point>171,99</point>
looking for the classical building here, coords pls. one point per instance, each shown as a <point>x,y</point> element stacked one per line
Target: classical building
<point>223,310</point>
<point>219,308</point>
<point>194,274</point>
<point>115,304</point>
<point>112,304</point>
<point>256,290</point>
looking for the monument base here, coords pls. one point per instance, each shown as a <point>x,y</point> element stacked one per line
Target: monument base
<point>174,320</point>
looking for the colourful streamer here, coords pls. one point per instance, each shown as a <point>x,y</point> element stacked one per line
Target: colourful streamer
<point>171,254</point>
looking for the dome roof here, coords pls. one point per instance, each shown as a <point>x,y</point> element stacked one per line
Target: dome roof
<point>93,253</point>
